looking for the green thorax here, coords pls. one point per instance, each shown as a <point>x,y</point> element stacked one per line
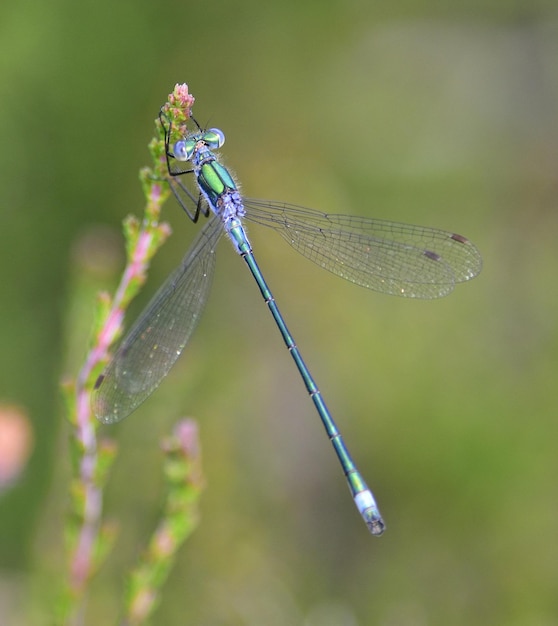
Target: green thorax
<point>215,180</point>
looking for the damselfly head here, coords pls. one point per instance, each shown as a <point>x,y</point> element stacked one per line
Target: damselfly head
<point>184,149</point>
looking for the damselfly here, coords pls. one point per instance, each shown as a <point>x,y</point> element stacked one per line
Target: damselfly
<point>388,257</point>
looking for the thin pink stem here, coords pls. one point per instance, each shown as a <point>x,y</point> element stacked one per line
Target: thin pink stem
<point>85,432</point>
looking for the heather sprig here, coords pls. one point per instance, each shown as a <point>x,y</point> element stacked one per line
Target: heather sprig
<point>89,537</point>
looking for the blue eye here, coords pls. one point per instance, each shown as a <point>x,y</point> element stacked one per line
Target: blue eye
<point>214,138</point>
<point>180,151</point>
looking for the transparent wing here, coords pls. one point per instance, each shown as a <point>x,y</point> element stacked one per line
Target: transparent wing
<point>393,258</point>
<point>158,337</point>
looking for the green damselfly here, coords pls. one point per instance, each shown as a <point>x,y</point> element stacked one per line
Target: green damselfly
<point>392,258</point>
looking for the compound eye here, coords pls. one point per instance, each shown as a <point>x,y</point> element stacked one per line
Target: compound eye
<point>179,151</point>
<point>214,138</point>
<point>183,149</point>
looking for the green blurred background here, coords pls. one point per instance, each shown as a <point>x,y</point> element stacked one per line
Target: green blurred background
<point>443,115</point>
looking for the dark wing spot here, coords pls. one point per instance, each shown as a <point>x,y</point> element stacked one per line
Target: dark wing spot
<point>99,381</point>
<point>432,255</point>
<point>460,238</point>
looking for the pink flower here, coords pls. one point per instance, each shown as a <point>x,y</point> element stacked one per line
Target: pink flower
<point>16,442</point>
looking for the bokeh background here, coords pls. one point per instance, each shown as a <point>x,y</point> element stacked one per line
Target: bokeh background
<point>416,111</point>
